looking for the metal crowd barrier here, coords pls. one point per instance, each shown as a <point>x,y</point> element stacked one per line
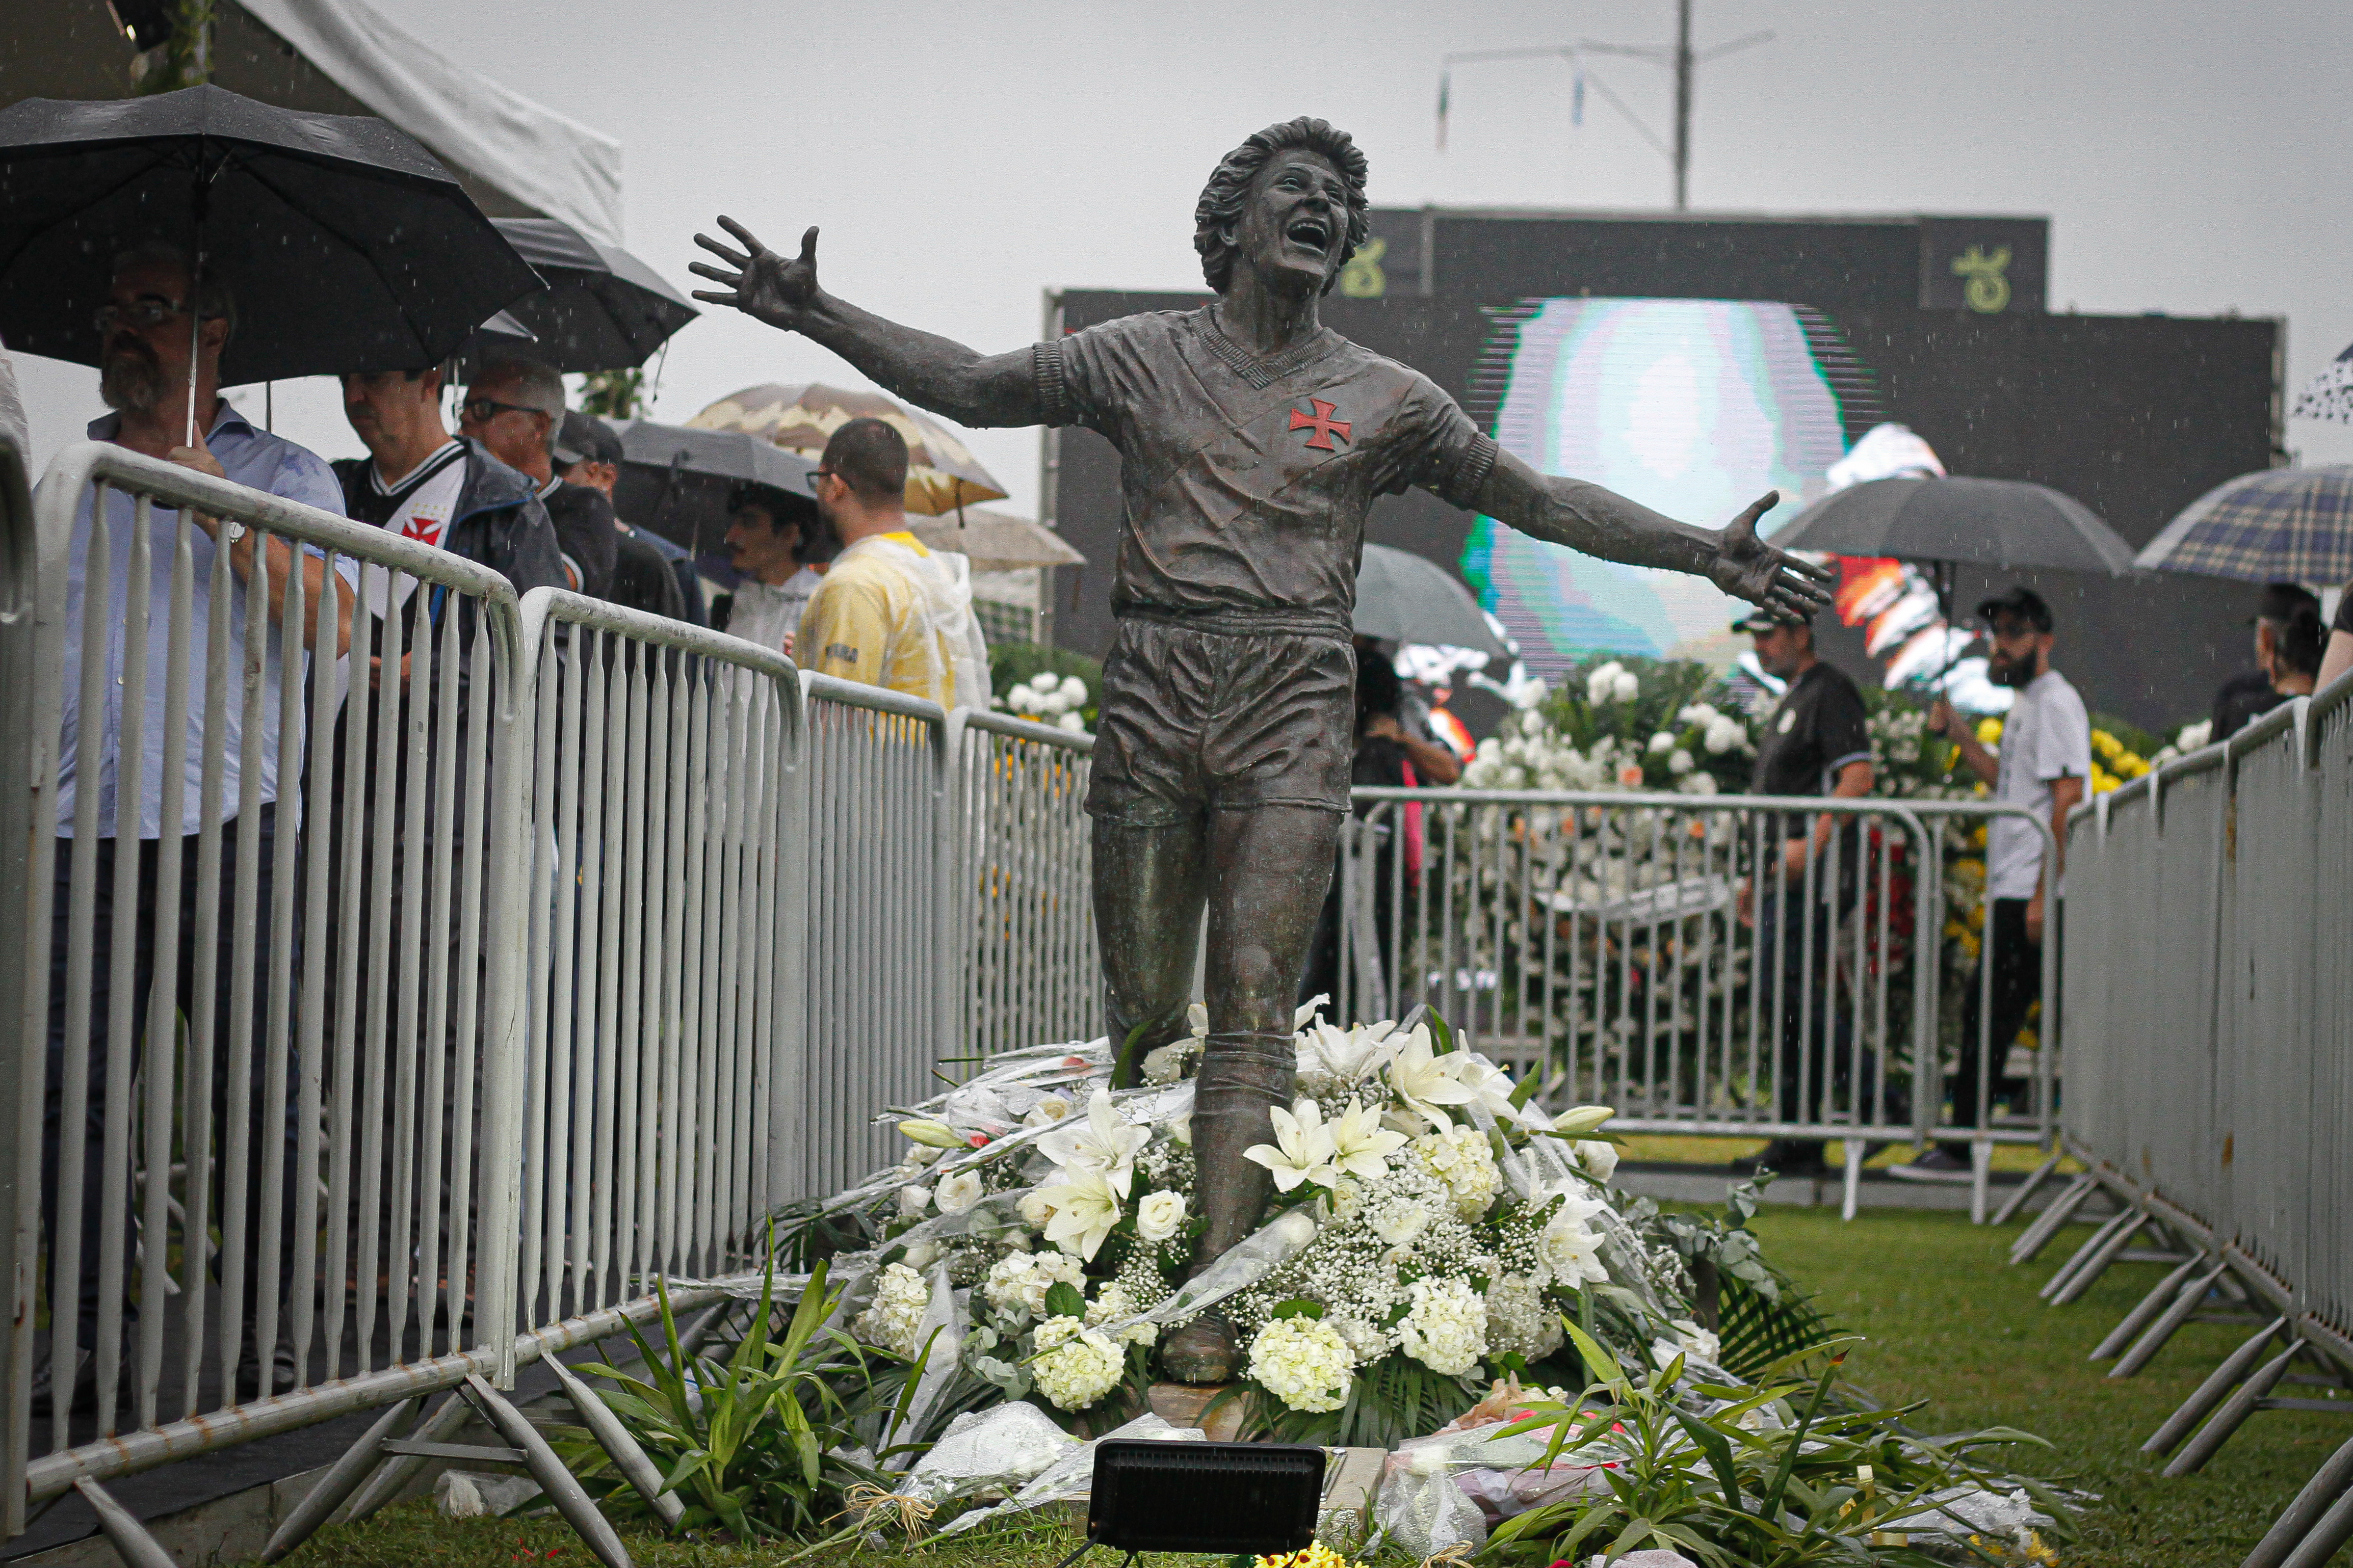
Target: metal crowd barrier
<point>582,941</point>
<point>1024,871</point>
<point>1628,950</point>
<point>2210,1019</point>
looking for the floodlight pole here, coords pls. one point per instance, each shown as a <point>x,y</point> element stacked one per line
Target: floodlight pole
<point>1683,103</point>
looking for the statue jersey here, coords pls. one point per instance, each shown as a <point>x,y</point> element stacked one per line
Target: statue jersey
<point>1246,481</point>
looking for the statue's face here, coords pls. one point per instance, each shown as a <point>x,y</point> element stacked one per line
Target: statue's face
<point>1296,220</point>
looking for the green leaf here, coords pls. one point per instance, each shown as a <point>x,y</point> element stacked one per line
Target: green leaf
<point>1299,1307</point>
<point>1599,1361</point>
<point>1441,1033</point>
<point>1063,1301</point>
<point>1712,1443</point>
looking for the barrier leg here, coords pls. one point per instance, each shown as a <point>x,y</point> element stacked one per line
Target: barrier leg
<point>2335,1529</point>
<point>614,1439</point>
<point>578,1508</point>
<point>2210,1393</point>
<point>2140,1318</point>
<point>2323,1496</point>
<point>394,1474</point>
<point>2017,1200</point>
<point>2047,1224</point>
<point>342,1480</point>
<point>125,1535</point>
<point>1854,1151</point>
<point>2233,1414</point>
<point>2093,1259</point>
<point>2145,1349</point>
<point>1980,1178</point>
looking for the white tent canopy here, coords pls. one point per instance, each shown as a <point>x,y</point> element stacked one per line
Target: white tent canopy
<point>542,159</point>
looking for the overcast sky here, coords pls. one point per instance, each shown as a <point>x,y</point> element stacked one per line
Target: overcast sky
<point>963,158</point>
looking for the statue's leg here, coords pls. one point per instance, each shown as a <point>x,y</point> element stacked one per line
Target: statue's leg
<point>1149,885</point>
<point>1268,867</point>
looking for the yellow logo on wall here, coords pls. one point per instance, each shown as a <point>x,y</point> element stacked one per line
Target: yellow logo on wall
<point>1987,293</point>
<point>1362,277</point>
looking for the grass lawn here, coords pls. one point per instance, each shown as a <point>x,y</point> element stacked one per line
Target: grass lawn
<point>1948,1322</point>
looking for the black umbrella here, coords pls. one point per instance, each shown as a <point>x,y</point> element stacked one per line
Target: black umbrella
<point>678,480</point>
<point>347,245</point>
<point>1409,598</point>
<point>603,308</point>
<point>1940,522</point>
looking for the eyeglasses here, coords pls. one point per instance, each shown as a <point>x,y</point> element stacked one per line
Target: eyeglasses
<point>816,480</point>
<point>145,311</point>
<point>482,410</point>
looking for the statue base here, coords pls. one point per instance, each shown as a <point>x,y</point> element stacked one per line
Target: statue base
<point>1187,1405</point>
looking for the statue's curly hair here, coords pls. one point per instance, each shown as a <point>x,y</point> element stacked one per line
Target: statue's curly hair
<point>1220,206</point>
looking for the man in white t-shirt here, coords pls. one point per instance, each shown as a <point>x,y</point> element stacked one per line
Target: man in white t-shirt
<point>2044,765</point>
<point>776,541</point>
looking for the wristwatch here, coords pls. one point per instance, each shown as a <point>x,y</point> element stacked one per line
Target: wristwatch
<point>231,531</point>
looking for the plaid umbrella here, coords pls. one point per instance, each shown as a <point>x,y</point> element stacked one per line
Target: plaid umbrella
<point>2329,395</point>
<point>942,473</point>
<point>2291,525</point>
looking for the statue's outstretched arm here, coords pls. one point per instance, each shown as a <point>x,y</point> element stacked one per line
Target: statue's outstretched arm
<point>928,371</point>
<point>1602,522</point>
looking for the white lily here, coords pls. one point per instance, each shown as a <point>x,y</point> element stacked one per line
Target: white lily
<point>1348,1056</point>
<point>1085,1208</point>
<point>1308,1009</point>
<point>1490,1086</point>
<point>1196,1018</point>
<point>1423,1081</point>
<point>1302,1150</point>
<point>1104,1144</point>
<point>1361,1146</point>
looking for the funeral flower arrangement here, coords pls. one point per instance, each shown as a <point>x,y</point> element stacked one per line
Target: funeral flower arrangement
<point>1431,1229</point>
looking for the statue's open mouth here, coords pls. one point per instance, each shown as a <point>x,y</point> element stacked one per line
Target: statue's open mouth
<point>1311,232</point>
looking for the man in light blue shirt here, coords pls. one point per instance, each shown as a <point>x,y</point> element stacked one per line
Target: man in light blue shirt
<point>114,766</point>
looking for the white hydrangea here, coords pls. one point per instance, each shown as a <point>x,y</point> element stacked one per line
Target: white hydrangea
<point>1022,1278</point>
<point>1460,1158</point>
<point>1520,1322</point>
<point>1446,1326</point>
<point>1696,783</point>
<point>1723,734</point>
<point>1112,1303</point>
<point>1078,1365</point>
<point>1072,723</point>
<point>1661,741</point>
<point>896,1320</point>
<point>1366,1341</point>
<point>1303,1362</point>
<point>1679,761</point>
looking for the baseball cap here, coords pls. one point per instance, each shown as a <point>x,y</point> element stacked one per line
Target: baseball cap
<point>1761,620</point>
<point>585,438</point>
<point>2021,602</point>
<point>2281,601</point>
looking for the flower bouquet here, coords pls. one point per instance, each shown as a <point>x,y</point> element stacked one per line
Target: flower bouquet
<point>1432,1229</point>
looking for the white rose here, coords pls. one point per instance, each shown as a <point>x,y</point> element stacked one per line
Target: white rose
<point>914,1200</point>
<point>1723,734</point>
<point>1035,1209</point>
<point>921,1255</point>
<point>1047,1112</point>
<point>1159,1215</point>
<point>1628,686</point>
<point>1661,741</point>
<point>957,1192</point>
<point>1679,761</point>
<point>1180,1128</point>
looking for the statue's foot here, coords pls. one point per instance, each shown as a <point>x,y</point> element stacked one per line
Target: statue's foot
<point>1202,1350</point>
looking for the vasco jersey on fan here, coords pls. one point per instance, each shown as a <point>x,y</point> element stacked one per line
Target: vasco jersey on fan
<point>1246,481</point>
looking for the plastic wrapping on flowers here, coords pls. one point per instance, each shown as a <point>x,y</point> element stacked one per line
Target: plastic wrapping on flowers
<point>1430,1231</point>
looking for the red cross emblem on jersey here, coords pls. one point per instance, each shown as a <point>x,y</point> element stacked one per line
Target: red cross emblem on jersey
<point>1323,424</point>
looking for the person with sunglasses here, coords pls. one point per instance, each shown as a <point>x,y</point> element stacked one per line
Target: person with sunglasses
<point>515,408</point>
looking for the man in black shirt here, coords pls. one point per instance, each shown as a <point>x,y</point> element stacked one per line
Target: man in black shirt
<point>1817,742</point>
<point>515,407</point>
<point>588,454</point>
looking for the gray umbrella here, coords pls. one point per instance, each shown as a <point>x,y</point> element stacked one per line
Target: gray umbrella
<point>676,480</point>
<point>1984,522</point>
<point>1407,599</point>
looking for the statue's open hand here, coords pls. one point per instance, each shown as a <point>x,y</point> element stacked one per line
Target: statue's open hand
<point>760,283</point>
<point>1748,568</point>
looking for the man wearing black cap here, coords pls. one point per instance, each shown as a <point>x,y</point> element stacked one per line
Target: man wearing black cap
<point>2044,765</point>
<point>588,453</point>
<point>1816,741</point>
<point>2288,637</point>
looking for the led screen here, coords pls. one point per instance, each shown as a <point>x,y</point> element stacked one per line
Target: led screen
<point>1695,407</point>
